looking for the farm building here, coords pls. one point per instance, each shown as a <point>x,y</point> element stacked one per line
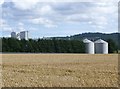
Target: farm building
<point>89,46</point>
<point>101,47</point>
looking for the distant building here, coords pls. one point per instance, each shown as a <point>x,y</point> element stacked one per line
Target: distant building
<point>24,35</point>
<point>13,35</point>
<point>47,38</point>
<point>20,36</point>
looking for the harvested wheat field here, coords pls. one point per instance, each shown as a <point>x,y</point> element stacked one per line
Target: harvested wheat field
<point>59,70</point>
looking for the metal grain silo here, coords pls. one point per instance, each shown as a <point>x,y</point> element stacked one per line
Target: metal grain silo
<point>89,46</point>
<point>101,47</point>
<point>13,35</point>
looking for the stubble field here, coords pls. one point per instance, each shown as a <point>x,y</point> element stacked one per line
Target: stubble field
<point>59,70</point>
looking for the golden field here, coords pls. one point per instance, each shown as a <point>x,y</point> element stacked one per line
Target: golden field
<point>59,70</point>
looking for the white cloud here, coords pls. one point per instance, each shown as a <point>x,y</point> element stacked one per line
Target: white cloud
<point>100,21</point>
<point>57,1</point>
<point>20,24</point>
<point>98,14</point>
<point>43,21</point>
<point>50,25</point>
<point>104,9</point>
<point>7,28</point>
<point>4,26</point>
<point>1,2</point>
<point>21,29</point>
<point>2,22</point>
<point>78,18</point>
<point>46,9</point>
<point>32,29</point>
<point>25,4</point>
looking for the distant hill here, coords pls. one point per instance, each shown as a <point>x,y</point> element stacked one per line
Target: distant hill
<point>93,36</point>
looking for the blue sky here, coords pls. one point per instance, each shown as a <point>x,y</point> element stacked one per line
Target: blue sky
<point>58,18</point>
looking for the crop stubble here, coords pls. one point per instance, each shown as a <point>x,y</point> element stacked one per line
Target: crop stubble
<point>59,70</point>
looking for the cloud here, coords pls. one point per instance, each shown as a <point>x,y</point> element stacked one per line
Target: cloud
<point>96,14</point>
<point>104,9</point>
<point>46,10</point>
<point>43,21</point>
<point>2,22</point>
<point>78,18</point>
<point>25,5</point>
<point>1,2</point>
<point>101,20</point>
<point>7,29</point>
<point>20,24</point>
<point>57,1</point>
<point>4,26</point>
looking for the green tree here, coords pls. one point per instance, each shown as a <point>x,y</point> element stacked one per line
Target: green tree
<point>112,47</point>
<point>42,46</point>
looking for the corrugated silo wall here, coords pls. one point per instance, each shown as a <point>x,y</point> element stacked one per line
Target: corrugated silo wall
<point>101,48</point>
<point>89,48</point>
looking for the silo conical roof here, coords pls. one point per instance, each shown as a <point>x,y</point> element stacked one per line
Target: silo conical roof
<point>87,41</point>
<point>100,41</point>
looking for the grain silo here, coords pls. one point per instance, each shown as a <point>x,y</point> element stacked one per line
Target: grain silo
<point>13,35</point>
<point>24,35</point>
<point>89,46</point>
<point>101,47</point>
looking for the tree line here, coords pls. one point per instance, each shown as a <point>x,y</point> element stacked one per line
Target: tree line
<point>48,46</point>
<point>42,46</point>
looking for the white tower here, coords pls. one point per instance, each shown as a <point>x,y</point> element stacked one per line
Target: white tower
<point>89,46</point>
<point>13,35</point>
<point>24,35</point>
<point>101,47</point>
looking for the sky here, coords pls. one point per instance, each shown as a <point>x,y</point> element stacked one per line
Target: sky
<point>50,18</point>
